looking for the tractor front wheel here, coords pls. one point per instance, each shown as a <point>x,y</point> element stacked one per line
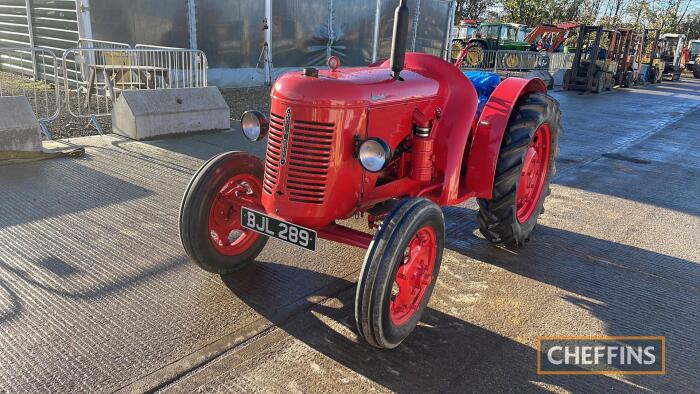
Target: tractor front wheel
<point>523,172</point>
<point>399,273</point>
<point>210,215</point>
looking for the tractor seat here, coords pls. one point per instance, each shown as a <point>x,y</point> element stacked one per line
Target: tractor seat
<point>484,83</point>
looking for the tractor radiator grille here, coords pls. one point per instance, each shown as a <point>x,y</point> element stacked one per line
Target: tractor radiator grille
<point>308,158</point>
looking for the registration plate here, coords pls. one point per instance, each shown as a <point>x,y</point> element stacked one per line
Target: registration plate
<point>275,228</point>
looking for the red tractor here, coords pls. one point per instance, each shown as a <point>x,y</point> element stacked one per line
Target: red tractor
<point>392,142</point>
<point>550,38</point>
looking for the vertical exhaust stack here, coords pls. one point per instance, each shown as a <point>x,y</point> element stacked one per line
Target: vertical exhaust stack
<point>398,46</point>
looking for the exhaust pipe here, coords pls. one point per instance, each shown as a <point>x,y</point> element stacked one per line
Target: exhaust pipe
<point>398,45</point>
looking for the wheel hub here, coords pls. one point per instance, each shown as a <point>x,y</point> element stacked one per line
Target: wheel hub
<point>534,174</point>
<point>225,230</point>
<point>414,276</point>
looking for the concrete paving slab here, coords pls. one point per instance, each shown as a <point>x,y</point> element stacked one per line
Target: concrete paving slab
<point>97,295</point>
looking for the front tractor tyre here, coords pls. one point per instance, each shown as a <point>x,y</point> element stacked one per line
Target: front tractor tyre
<point>399,273</point>
<point>525,167</point>
<point>210,215</point>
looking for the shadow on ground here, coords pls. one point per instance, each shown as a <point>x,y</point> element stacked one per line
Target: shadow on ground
<point>446,353</point>
<point>73,188</point>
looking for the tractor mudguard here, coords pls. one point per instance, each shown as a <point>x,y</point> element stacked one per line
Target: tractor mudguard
<point>486,144</point>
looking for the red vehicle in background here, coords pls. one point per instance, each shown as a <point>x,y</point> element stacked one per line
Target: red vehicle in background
<point>550,38</point>
<point>391,143</point>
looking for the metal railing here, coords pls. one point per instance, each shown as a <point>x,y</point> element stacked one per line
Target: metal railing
<point>99,44</point>
<point>515,63</point>
<point>33,73</point>
<point>103,73</point>
<point>560,61</point>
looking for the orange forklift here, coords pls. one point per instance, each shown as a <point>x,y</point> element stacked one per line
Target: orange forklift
<point>630,58</point>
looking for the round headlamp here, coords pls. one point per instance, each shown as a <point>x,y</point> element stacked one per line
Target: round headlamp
<point>374,154</point>
<point>255,125</point>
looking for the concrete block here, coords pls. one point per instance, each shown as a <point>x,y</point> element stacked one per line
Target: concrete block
<point>19,127</point>
<point>147,114</point>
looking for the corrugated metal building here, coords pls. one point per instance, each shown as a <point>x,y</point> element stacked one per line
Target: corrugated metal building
<point>232,32</point>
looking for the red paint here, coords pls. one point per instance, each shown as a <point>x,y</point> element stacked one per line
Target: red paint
<point>313,177</point>
<point>414,276</point>
<point>422,159</point>
<point>337,233</point>
<point>555,36</point>
<point>225,214</point>
<point>534,173</point>
<point>483,155</point>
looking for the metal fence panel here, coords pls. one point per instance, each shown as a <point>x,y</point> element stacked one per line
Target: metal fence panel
<point>55,24</point>
<point>231,32</point>
<point>38,86</point>
<point>158,22</point>
<point>104,73</point>
<point>14,30</point>
<point>516,63</point>
<point>560,61</point>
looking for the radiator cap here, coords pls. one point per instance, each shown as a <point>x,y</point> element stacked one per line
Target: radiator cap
<point>311,72</point>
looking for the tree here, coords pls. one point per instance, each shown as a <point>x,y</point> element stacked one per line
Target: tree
<point>471,9</point>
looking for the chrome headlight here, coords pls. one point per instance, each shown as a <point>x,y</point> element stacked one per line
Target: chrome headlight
<point>374,154</point>
<point>255,125</point>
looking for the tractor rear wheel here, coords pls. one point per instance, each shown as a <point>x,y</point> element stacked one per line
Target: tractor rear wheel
<point>524,170</point>
<point>399,273</point>
<point>210,215</point>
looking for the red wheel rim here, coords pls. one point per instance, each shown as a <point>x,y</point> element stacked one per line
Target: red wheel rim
<point>225,230</point>
<point>534,173</point>
<point>414,276</point>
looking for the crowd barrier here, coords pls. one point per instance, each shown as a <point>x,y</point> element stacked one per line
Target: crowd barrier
<point>34,73</point>
<point>516,63</point>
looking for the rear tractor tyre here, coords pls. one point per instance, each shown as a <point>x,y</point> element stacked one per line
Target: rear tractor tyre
<point>526,165</point>
<point>210,215</point>
<point>399,273</point>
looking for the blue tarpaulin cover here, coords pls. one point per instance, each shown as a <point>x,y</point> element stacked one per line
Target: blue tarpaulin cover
<point>484,83</point>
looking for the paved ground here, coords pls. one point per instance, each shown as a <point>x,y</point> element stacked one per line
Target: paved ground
<point>96,294</point>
